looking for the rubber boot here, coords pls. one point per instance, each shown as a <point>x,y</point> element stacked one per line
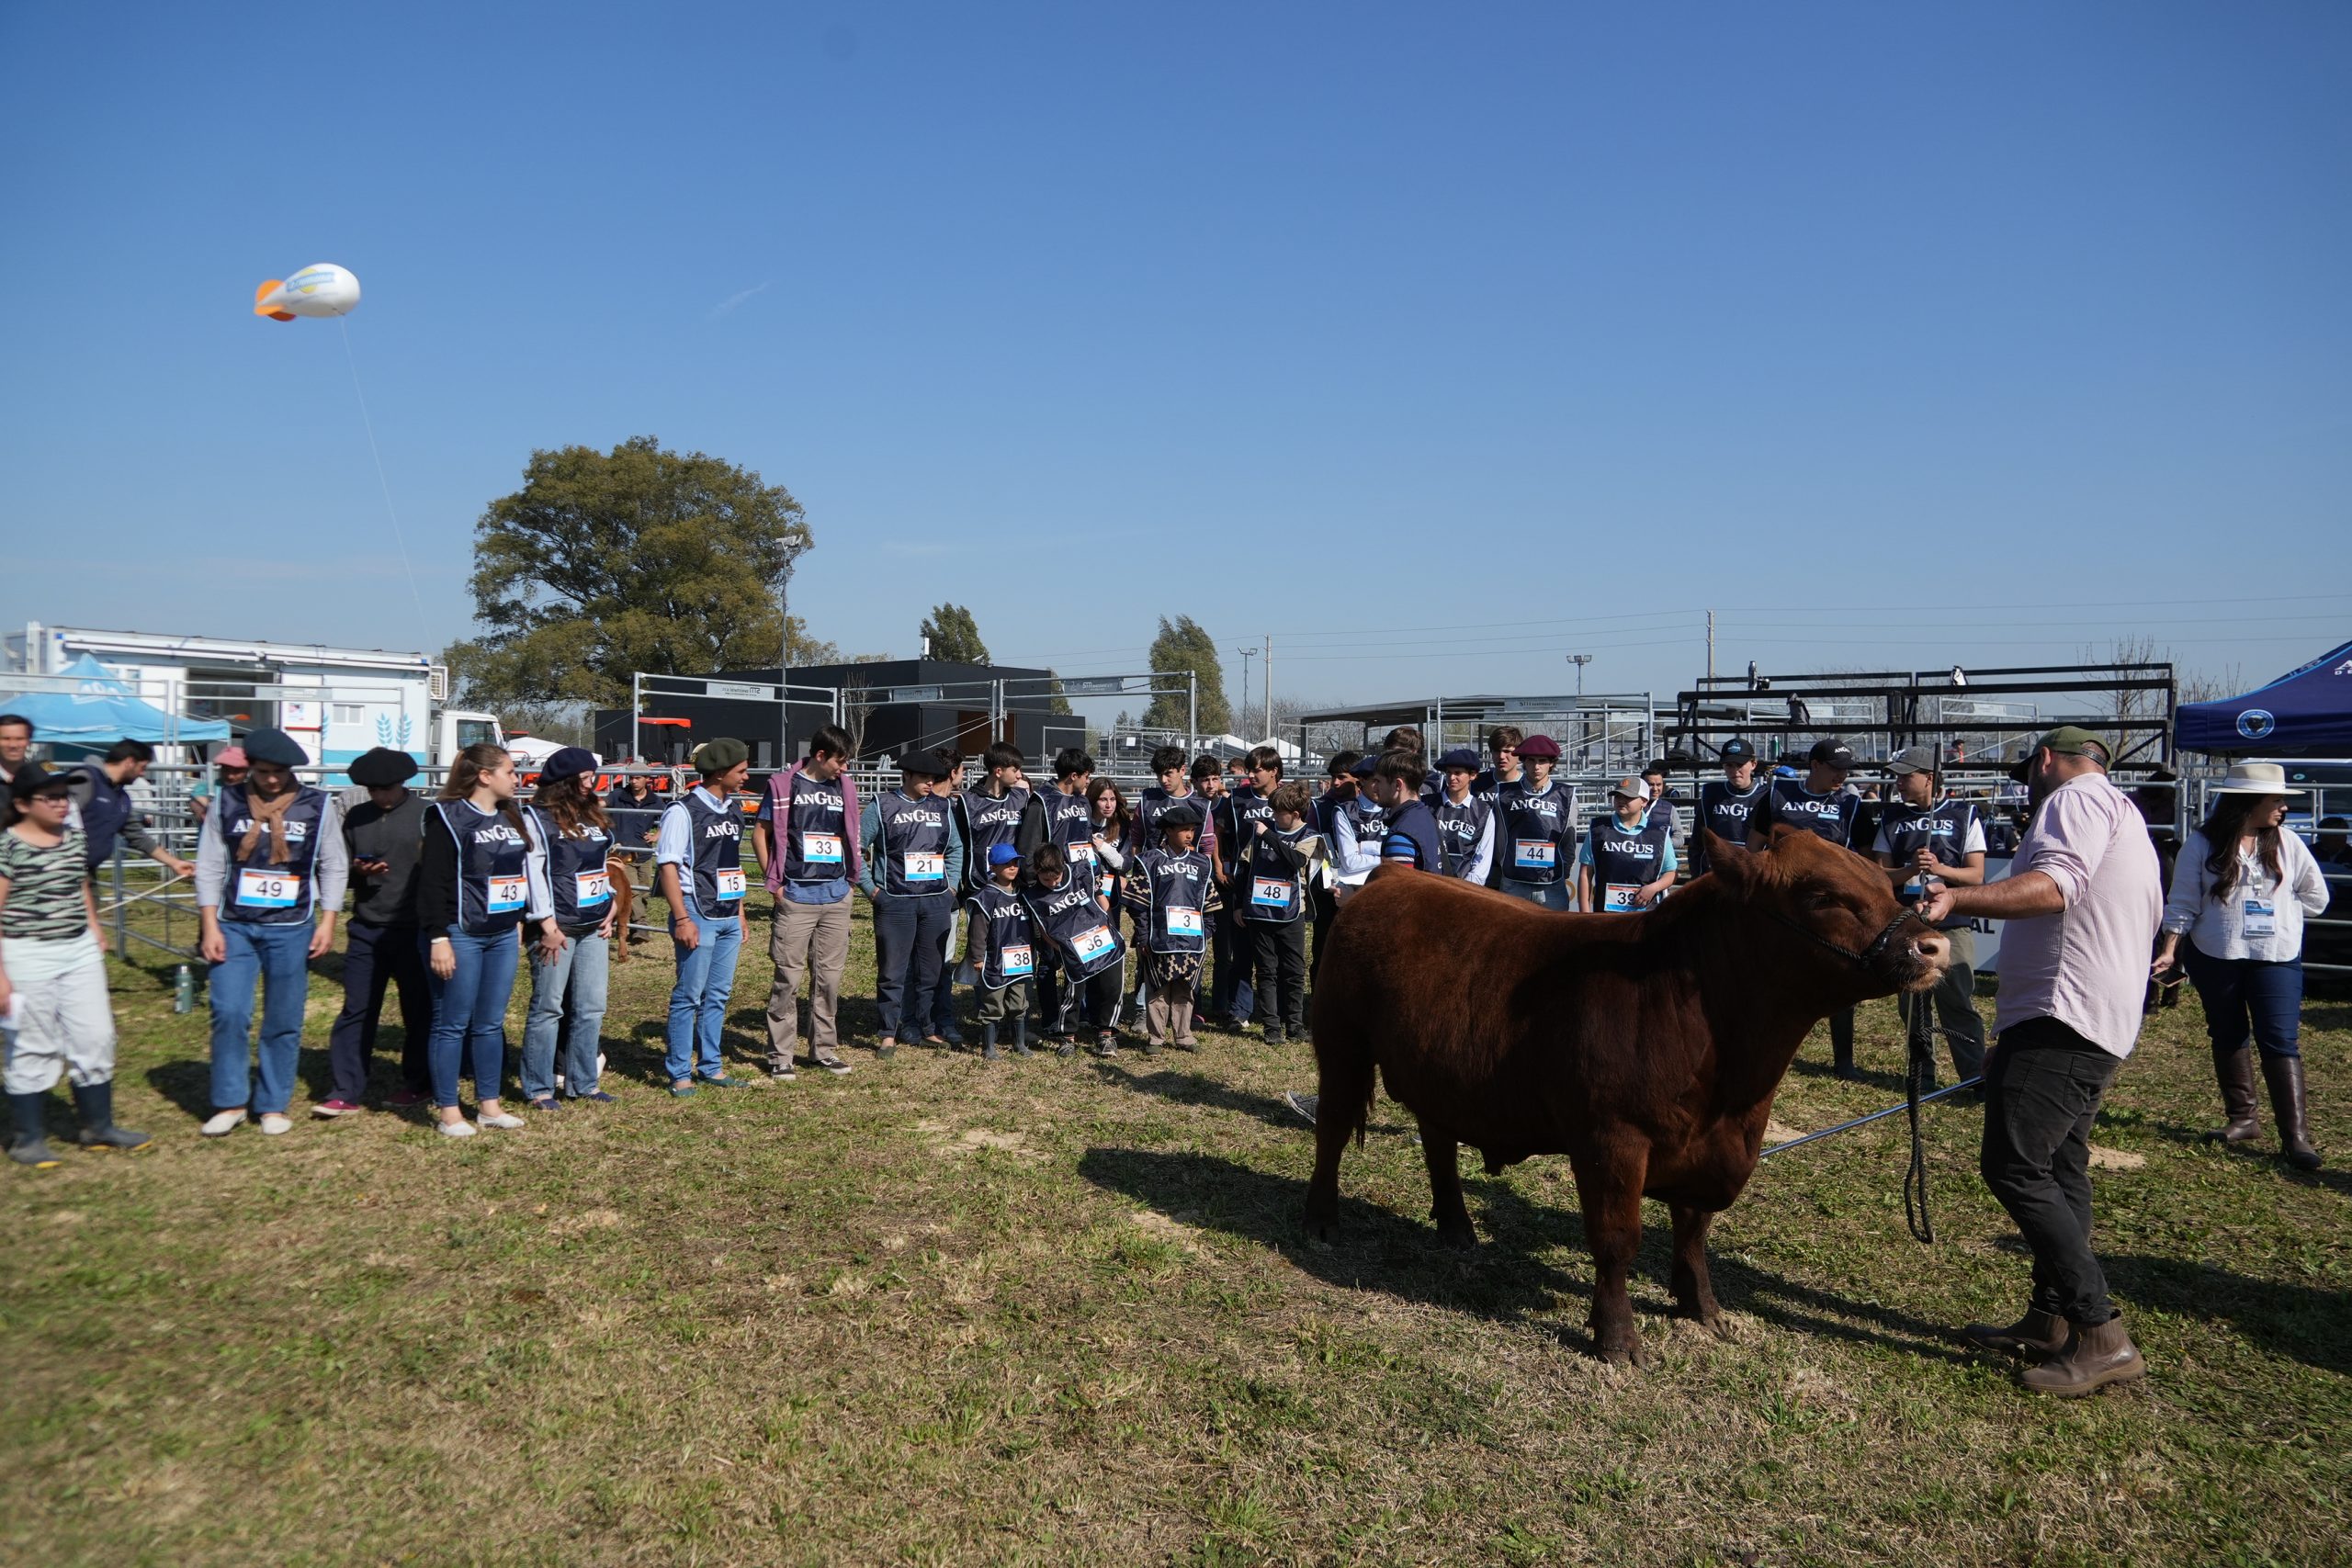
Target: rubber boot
<point>2038,1334</point>
<point>2285,1075</point>
<point>987,1039</point>
<point>2096,1355</point>
<point>29,1141</point>
<point>2234,1070</point>
<point>1021,1036</point>
<point>95,1102</point>
<point>1841,1044</point>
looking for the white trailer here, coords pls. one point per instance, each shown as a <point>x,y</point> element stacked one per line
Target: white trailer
<point>337,702</point>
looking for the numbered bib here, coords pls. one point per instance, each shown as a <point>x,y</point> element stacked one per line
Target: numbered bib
<point>1183,923</point>
<point>1082,854</point>
<point>269,889</point>
<point>1018,961</point>
<point>508,894</point>
<point>1271,893</point>
<point>1092,943</point>
<point>1617,899</point>
<point>1535,854</point>
<point>591,888</point>
<point>2261,918</point>
<point>925,865</point>
<point>730,886</point>
<point>822,849</point>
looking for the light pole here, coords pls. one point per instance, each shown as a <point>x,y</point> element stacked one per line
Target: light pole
<point>1247,655</point>
<point>1579,660</point>
<point>795,547</point>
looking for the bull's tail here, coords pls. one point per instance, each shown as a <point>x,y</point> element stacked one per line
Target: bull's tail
<point>1347,1077</point>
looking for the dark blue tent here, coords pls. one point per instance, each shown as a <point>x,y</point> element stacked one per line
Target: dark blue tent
<point>2305,713</point>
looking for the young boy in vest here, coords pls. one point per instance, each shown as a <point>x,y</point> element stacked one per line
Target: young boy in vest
<point>698,868</point>
<point>1466,820</point>
<point>1534,824</point>
<point>1323,811</point>
<point>1625,861</point>
<point>1237,813</point>
<point>1274,880</point>
<point>1001,945</point>
<point>1927,833</point>
<point>1067,914</point>
<point>270,869</point>
<point>809,849</point>
<point>1726,803</point>
<point>1819,802</point>
<point>1172,891</point>
<point>912,859</point>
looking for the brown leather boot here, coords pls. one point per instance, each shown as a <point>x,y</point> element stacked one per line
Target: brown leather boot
<point>2038,1334</point>
<point>2097,1354</point>
<point>2285,1075</point>
<point>2233,1067</point>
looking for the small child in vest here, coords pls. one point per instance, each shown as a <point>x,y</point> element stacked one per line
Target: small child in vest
<point>1067,915</point>
<point>1000,943</point>
<point>1172,891</point>
<point>1272,877</point>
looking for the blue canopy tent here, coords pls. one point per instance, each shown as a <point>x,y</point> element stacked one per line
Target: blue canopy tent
<point>2305,713</point>
<point>88,709</point>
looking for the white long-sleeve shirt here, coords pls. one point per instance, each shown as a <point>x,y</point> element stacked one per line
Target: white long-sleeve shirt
<point>2218,925</point>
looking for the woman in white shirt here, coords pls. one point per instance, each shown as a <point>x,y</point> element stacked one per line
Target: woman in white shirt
<point>2241,890</point>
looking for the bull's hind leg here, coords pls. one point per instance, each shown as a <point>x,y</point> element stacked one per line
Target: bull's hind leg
<point>1451,1214</point>
<point>1694,1292</point>
<point>1609,1184</point>
<point>1331,1134</point>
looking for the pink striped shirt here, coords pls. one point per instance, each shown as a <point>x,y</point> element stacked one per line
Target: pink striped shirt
<point>2088,966</point>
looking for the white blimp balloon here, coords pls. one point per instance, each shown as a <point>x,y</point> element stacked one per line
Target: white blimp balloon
<point>321,289</point>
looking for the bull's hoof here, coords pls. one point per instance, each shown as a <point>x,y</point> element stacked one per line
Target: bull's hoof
<point>1456,1237</point>
<point>1706,1314</point>
<point>1626,1353</point>
<point>1322,1223</point>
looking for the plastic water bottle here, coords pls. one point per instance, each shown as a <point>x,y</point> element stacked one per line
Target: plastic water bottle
<point>184,990</point>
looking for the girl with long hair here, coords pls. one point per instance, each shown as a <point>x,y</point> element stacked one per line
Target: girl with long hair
<point>567,989</point>
<point>482,873</point>
<point>2241,890</point>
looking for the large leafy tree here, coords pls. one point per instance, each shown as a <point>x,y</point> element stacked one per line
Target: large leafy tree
<point>954,635</point>
<point>1180,646</point>
<point>637,559</point>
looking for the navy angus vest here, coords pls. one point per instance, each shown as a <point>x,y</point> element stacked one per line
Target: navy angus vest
<point>914,845</point>
<point>1153,803</point>
<point>1530,829</point>
<point>494,868</point>
<point>1459,828</point>
<point>1624,860</point>
<point>816,832</point>
<point>1941,828</point>
<point>1238,815</point>
<point>261,893</point>
<point>1070,918</point>
<point>1415,824</point>
<point>1368,819</point>
<point>718,844</point>
<point>1724,811</point>
<point>1070,826</point>
<point>1176,889</point>
<point>1830,816</point>
<point>1011,938</point>
<point>579,871</point>
<point>1275,891</point>
<point>988,820</point>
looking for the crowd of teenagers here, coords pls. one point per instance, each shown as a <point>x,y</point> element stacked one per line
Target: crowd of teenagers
<point>1191,904</point>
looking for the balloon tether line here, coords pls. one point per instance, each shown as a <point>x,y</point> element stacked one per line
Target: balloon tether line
<point>398,536</point>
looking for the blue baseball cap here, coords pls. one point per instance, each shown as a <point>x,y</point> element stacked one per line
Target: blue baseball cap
<point>1366,765</point>
<point>1002,854</point>
<point>1459,757</point>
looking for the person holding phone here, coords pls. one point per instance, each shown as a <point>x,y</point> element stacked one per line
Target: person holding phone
<point>384,835</point>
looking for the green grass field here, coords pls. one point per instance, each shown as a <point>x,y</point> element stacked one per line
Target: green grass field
<point>939,1312</point>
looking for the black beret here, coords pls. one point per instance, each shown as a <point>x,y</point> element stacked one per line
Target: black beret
<point>569,762</point>
<point>1182,815</point>
<point>381,768</point>
<point>276,746</point>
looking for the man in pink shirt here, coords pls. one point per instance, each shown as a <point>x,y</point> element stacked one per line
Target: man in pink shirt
<point>2082,904</point>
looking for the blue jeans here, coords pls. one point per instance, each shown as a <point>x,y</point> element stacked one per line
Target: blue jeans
<point>571,988</point>
<point>470,1013</point>
<point>698,1000</point>
<point>1233,995</point>
<point>910,944</point>
<point>2248,997</point>
<point>942,995</point>
<point>278,956</point>
<point>1545,895</point>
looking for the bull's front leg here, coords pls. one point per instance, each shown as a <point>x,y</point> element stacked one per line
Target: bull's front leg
<point>1609,1184</point>
<point>1447,1210</point>
<point>1694,1292</point>
<point>1323,1187</point>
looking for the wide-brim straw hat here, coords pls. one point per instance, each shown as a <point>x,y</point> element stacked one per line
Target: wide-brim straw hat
<point>2256,778</point>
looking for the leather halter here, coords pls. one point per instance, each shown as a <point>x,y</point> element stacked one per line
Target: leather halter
<point>1868,955</point>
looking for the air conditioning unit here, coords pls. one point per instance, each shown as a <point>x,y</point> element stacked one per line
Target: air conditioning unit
<point>436,682</point>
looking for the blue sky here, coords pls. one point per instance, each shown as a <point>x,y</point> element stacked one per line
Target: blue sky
<point>1440,341</point>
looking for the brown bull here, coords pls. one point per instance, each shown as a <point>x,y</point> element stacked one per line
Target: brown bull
<point>1645,1047</point>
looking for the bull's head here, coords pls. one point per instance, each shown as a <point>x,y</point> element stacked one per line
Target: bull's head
<point>1844,905</point>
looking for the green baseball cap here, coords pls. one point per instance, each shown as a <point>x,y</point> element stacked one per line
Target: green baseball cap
<point>2066,740</point>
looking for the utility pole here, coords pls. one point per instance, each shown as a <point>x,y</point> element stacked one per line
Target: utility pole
<point>1710,644</point>
<point>793,548</point>
<point>1270,688</point>
<point>1247,655</point>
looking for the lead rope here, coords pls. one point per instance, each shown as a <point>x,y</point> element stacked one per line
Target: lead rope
<point>1923,1061</point>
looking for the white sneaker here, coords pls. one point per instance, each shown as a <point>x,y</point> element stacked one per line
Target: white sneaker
<point>504,1121</point>
<point>273,1123</point>
<point>224,1122</point>
<point>457,1129</point>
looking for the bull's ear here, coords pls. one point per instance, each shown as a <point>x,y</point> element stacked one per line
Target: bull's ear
<point>1781,832</point>
<point>1736,864</point>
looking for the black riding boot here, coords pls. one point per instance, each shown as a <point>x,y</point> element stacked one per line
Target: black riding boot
<point>1020,1035</point>
<point>28,1140</point>
<point>2285,1075</point>
<point>95,1102</point>
<point>2233,1069</point>
<point>987,1039</point>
